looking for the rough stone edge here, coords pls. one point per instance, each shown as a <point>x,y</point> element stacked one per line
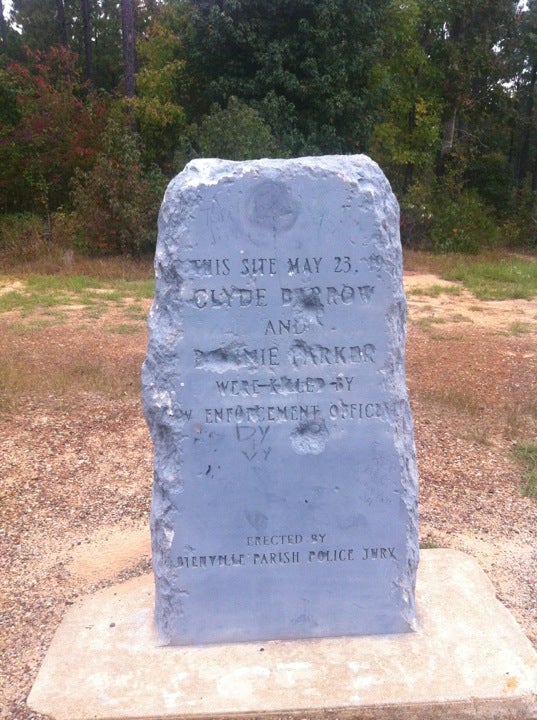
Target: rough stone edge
<point>367,178</point>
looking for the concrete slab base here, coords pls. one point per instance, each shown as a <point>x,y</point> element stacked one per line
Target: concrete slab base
<point>467,659</point>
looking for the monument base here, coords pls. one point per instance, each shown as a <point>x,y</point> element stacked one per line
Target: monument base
<point>467,659</point>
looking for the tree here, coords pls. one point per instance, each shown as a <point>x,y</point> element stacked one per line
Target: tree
<point>117,200</point>
<point>86,31</point>
<point>129,50</point>
<point>3,30</point>
<point>468,43</point>
<point>406,138</point>
<point>234,133</point>
<point>60,19</point>
<point>523,150</point>
<point>41,27</point>
<point>304,65</point>
<point>55,126</point>
<point>161,87</point>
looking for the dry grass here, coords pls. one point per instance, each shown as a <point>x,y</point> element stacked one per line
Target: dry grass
<point>68,263</point>
<point>526,455</point>
<point>62,313</point>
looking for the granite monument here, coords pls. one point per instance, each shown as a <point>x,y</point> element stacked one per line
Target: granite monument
<point>285,490</point>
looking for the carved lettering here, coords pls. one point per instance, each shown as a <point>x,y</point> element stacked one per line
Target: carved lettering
<point>331,555</point>
<point>302,353</point>
<point>208,561</point>
<point>258,266</point>
<point>240,414</point>
<point>331,294</point>
<point>276,558</point>
<point>256,540</point>
<point>379,553</point>
<point>296,266</point>
<point>283,327</point>
<point>226,297</point>
<point>205,267</point>
<point>283,385</point>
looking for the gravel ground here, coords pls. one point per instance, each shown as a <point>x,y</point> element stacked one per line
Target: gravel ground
<point>76,471</point>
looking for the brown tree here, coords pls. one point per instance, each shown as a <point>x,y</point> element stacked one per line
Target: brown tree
<point>86,32</point>
<point>60,19</point>
<point>129,52</point>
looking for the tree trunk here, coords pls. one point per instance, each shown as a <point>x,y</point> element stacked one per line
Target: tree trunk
<point>86,28</point>
<point>60,19</point>
<point>528,126</point>
<point>3,30</point>
<point>448,133</point>
<point>129,53</point>
<point>409,167</point>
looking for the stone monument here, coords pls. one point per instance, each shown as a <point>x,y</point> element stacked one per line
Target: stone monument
<point>285,492</point>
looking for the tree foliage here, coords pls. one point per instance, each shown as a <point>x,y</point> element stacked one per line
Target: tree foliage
<point>302,64</point>
<point>117,200</point>
<point>94,94</point>
<point>53,126</point>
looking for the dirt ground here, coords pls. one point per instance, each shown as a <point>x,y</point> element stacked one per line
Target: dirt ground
<point>75,473</point>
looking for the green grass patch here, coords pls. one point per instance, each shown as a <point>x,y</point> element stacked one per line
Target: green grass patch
<point>136,289</point>
<point>35,291</point>
<point>429,545</point>
<point>135,312</point>
<point>520,417</point>
<point>519,328</point>
<point>124,329</point>
<point>525,453</point>
<point>31,326</point>
<point>446,338</point>
<point>504,278</point>
<point>436,290</point>
<point>425,323</point>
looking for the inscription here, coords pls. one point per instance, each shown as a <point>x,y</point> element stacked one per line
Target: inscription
<point>323,556</point>
<point>234,356</point>
<point>330,294</point>
<point>205,267</point>
<point>379,553</point>
<point>268,266</point>
<point>274,540</point>
<point>291,413</point>
<point>286,327</point>
<point>301,353</point>
<point>273,386</point>
<point>330,555</point>
<point>295,266</point>
<point>276,558</point>
<point>258,266</point>
<point>262,413</point>
<point>206,561</point>
<point>226,297</point>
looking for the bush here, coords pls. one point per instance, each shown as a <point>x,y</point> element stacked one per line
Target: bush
<point>26,238</point>
<point>23,236</point>
<point>236,133</point>
<point>117,201</point>
<point>462,224</point>
<point>443,219</point>
<point>416,218</point>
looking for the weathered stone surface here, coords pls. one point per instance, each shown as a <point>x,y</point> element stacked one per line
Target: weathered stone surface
<point>285,481</point>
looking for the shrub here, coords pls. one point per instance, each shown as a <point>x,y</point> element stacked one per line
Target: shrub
<point>416,218</point>
<point>462,224</point>
<point>23,236</point>
<point>117,201</point>
<point>235,133</point>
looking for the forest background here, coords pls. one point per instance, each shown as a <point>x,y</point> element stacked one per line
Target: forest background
<point>102,101</point>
